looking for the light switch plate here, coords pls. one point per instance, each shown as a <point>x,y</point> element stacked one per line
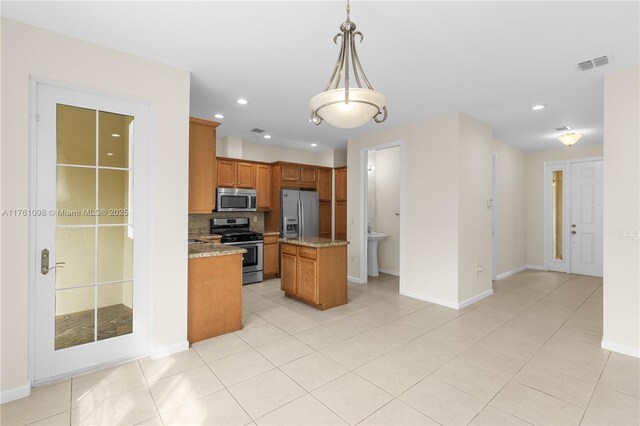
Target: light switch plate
<point>629,234</point>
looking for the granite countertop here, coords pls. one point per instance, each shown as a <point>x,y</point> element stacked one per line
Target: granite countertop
<point>198,250</point>
<point>206,237</point>
<point>270,233</point>
<point>314,242</point>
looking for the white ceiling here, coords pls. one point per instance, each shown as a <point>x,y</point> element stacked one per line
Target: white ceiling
<point>491,60</point>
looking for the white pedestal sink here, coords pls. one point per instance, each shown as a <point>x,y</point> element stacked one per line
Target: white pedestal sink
<point>373,238</point>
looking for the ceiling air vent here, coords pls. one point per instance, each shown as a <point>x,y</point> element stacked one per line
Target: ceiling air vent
<point>563,128</point>
<point>592,63</point>
<point>257,130</point>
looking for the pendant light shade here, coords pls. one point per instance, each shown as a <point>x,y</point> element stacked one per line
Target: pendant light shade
<point>340,104</point>
<point>363,105</point>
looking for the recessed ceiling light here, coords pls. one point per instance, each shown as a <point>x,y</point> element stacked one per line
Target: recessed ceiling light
<point>537,107</point>
<point>219,116</point>
<point>109,154</point>
<point>314,144</point>
<point>267,136</point>
<point>115,135</point>
<point>242,101</point>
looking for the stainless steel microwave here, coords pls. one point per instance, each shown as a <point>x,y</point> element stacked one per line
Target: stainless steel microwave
<point>236,200</point>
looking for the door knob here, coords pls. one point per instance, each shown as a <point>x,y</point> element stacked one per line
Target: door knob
<point>573,225</point>
<point>44,262</point>
<point>573,232</point>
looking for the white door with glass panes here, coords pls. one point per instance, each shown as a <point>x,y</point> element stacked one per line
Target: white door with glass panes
<point>90,251</point>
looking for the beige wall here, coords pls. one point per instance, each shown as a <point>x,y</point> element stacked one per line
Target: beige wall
<point>28,51</point>
<point>510,205</point>
<point>535,193</point>
<point>431,244</point>
<point>236,147</point>
<point>383,204</point>
<point>621,211</point>
<point>474,217</point>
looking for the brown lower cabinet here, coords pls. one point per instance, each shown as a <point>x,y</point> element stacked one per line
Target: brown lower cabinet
<point>270,256</point>
<point>315,276</point>
<point>215,296</point>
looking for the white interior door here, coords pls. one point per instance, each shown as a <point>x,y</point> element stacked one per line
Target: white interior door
<point>90,238</point>
<point>586,218</point>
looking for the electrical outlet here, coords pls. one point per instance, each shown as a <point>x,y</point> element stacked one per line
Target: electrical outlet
<point>255,218</point>
<point>478,269</point>
<point>629,234</point>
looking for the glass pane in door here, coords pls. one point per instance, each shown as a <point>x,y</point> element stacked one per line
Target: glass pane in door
<point>115,310</point>
<point>94,231</point>
<point>75,317</point>
<point>556,185</point>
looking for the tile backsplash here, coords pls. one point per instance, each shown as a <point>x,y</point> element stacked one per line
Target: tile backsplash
<point>199,223</point>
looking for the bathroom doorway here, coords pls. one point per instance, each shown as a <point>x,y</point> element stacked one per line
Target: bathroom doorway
<point>382,215</point>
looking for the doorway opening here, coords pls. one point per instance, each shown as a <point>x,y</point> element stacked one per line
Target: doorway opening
<point>382,179</point>
<point>573,216</point>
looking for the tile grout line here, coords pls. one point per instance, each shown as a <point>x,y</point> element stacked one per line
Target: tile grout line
<point>150,393</point>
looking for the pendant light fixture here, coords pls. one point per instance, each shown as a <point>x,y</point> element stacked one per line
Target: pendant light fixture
<point>348,107</point>
<point>570,139</point>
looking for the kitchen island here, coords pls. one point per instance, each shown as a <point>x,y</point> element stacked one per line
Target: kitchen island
<point>215,290</point>
<point>314,271</point>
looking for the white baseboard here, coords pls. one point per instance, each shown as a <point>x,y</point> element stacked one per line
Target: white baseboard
<point>389,271</point>
<point>475,298</point>
<point>155,353</point>
<point>536,267</point>
<point>355,280</point>
<point>15,393</point>
<point>430,299</point>
<point>511,272</point>
<point>616,347</point>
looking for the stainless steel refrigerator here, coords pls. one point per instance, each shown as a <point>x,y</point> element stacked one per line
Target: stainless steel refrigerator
<point>299,213</point>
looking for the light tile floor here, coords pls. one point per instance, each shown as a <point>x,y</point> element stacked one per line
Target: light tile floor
<point>529,354</point>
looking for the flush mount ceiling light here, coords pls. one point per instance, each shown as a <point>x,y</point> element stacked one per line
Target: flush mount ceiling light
<point>570,139</point>
<point>348,107</point>
<point>115,135</point>
<point>242,101</point>
<point>537,107</point>
<point>314,145</point>
<point>219,116</point>
<point>267,136</point>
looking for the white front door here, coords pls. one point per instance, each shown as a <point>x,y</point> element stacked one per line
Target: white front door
<point>586,218</point>
<point>90,232</point>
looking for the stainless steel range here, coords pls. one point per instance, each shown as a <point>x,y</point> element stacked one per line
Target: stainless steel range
<point>235,232</point>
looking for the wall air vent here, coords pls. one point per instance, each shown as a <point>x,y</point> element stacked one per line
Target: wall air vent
<point>257,130</point>
<point>592,63</point>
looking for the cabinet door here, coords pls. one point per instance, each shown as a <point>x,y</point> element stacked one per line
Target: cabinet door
<point>263,186</point>
<point>288,273</point>
<point>270,261</point>
<point>308,175</point>
<point>324,184</point>
<point>307,280</point>
<point>341,184</point>
<point>227,173</point>
<point>341,221</point>
<point>246,177</point>
<point>324,216</point>
<point>290,172</point>
<point>202,167</point>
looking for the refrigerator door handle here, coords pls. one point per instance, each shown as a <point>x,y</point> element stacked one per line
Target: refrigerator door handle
<point>304,231</point>
<point>299,219</point>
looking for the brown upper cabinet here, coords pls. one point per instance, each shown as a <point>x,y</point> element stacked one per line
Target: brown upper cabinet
<point>263,186</point>
<point>202,165</point>
<point>246,175</point>
<point>227,171</point>
<point>290,172</point>
<point>308,175</point>
<point>236,174</point>
<point>299,174</point>
<point>324,184</point>
<point>341,184</point>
